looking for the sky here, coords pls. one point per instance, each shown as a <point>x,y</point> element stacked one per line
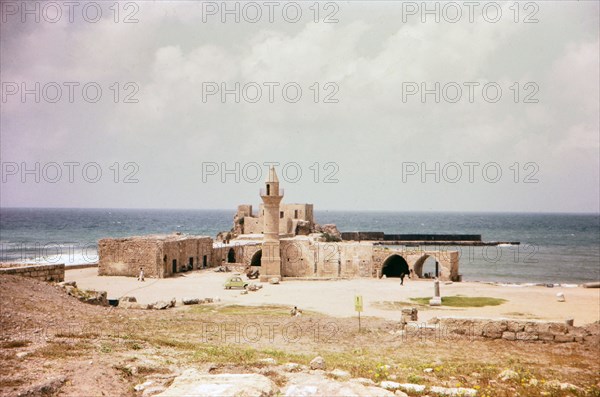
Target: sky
<point>379,105</point>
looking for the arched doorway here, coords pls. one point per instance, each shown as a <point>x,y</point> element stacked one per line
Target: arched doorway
<point>393,266</point>
<point>231,256</point>
<point>256,258</point>
<point>425,267</point>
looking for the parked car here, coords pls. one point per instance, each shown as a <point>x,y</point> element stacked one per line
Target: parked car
<point>235,281</point>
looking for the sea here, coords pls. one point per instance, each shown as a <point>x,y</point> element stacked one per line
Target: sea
<point>554,248</point>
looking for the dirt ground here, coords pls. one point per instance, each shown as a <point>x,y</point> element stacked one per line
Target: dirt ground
<point>52,344</point>
<point>336,297</point>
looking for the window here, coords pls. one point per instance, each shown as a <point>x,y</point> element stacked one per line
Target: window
<point>268,190</point>
<point>281,214</point>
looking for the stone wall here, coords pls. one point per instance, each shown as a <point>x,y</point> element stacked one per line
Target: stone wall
<point>304,257</point>
<point>523,330</point>
<point>289,215</point>
<point>159,256</point>
<point>415,258</point>
<point>51,272</point>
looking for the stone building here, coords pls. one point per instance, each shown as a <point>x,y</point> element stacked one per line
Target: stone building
<point>158,255</point>
<point>283,241</point>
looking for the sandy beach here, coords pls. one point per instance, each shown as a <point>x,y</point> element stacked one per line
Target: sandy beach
<point>336,297</point>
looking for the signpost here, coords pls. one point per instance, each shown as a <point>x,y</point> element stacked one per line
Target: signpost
<point>358,307</point>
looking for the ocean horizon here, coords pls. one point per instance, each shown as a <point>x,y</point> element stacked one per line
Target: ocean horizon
<point>554,247</point>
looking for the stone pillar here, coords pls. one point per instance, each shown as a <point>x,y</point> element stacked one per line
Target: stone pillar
<point>436,300</point>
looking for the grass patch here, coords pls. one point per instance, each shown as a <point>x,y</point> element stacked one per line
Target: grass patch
<point>14,344</point>
<point>58,350</point>
<point>463,301</point>
<point>395,305</point>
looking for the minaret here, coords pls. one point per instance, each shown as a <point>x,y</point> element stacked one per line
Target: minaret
<point>271,196</point>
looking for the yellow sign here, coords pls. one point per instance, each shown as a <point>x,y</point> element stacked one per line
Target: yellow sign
<point>358,303</point>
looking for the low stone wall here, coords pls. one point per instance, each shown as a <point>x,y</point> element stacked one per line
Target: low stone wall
<point>54,272</point>
<point>523,330</point>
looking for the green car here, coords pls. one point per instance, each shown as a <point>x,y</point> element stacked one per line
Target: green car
<point>235,282</point>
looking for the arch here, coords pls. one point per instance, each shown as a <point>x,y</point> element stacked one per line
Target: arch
<point>425,266</point>
<point>231,256</point>
<point>256,258</point>
<point>393,266</point>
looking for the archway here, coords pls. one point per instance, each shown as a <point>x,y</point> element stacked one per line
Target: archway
<point>425,267</point>
<point>231,256</point>
<point>393,266</point>
<point>256,258</point>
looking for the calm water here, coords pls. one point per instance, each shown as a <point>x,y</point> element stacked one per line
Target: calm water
<point>554,247</point>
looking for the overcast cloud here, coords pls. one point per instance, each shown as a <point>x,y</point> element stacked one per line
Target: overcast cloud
<point>374,137</point>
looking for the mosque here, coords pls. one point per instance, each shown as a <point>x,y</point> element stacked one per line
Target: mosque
<point>282,241</point>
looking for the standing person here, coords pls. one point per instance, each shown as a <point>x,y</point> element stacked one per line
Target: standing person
<point>141,276</point>
<point>402,278</point>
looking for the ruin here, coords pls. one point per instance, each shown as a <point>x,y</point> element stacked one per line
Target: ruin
<point>282,241</point>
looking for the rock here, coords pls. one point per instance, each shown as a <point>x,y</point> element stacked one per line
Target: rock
<point>453,391</point>
<point>389,385</point>
<point>268,360</point>
<point>22,354</point>
<point>363,381</point>
<point>67,283</point>
<point>305,384</point>
<point>151,391</point>
<point>190,301</point>
<point>400,393</point>
<point>127,299</point>
<point>160,305</point>
<point>555,384</point>
<point>48,388</point>
<point>291,367</point>
<point>508,374</point>
<point>317,363</point>
<point>274,280</point>
<point>428,370</point>
<point>332,230</point>
<point>93,297</point>
<point>340,374</point>
<point>254,287</point>
<point>411,387</point>
<point>194,383</point>
<point>143,386</point>
<point>173,302</point>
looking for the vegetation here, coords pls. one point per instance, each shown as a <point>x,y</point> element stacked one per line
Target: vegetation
<point>463,301</point>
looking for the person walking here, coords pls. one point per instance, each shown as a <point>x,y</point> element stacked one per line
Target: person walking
<point>141,276</point>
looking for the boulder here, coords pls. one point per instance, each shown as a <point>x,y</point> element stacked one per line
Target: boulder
<point>274,280</point>
<point>306,384</point>
<point>411,387</point>
<point>453,391</point>
<point>268,360</point>
<point>291,367</point>
<point>190,301</point>
<point>508,374</point>
<point>340,374</point>
<point>194,383</point>
<point>317,363</point>
<point>160,305</point>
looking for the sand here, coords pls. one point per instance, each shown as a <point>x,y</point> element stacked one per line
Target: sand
<point>336,297</point>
